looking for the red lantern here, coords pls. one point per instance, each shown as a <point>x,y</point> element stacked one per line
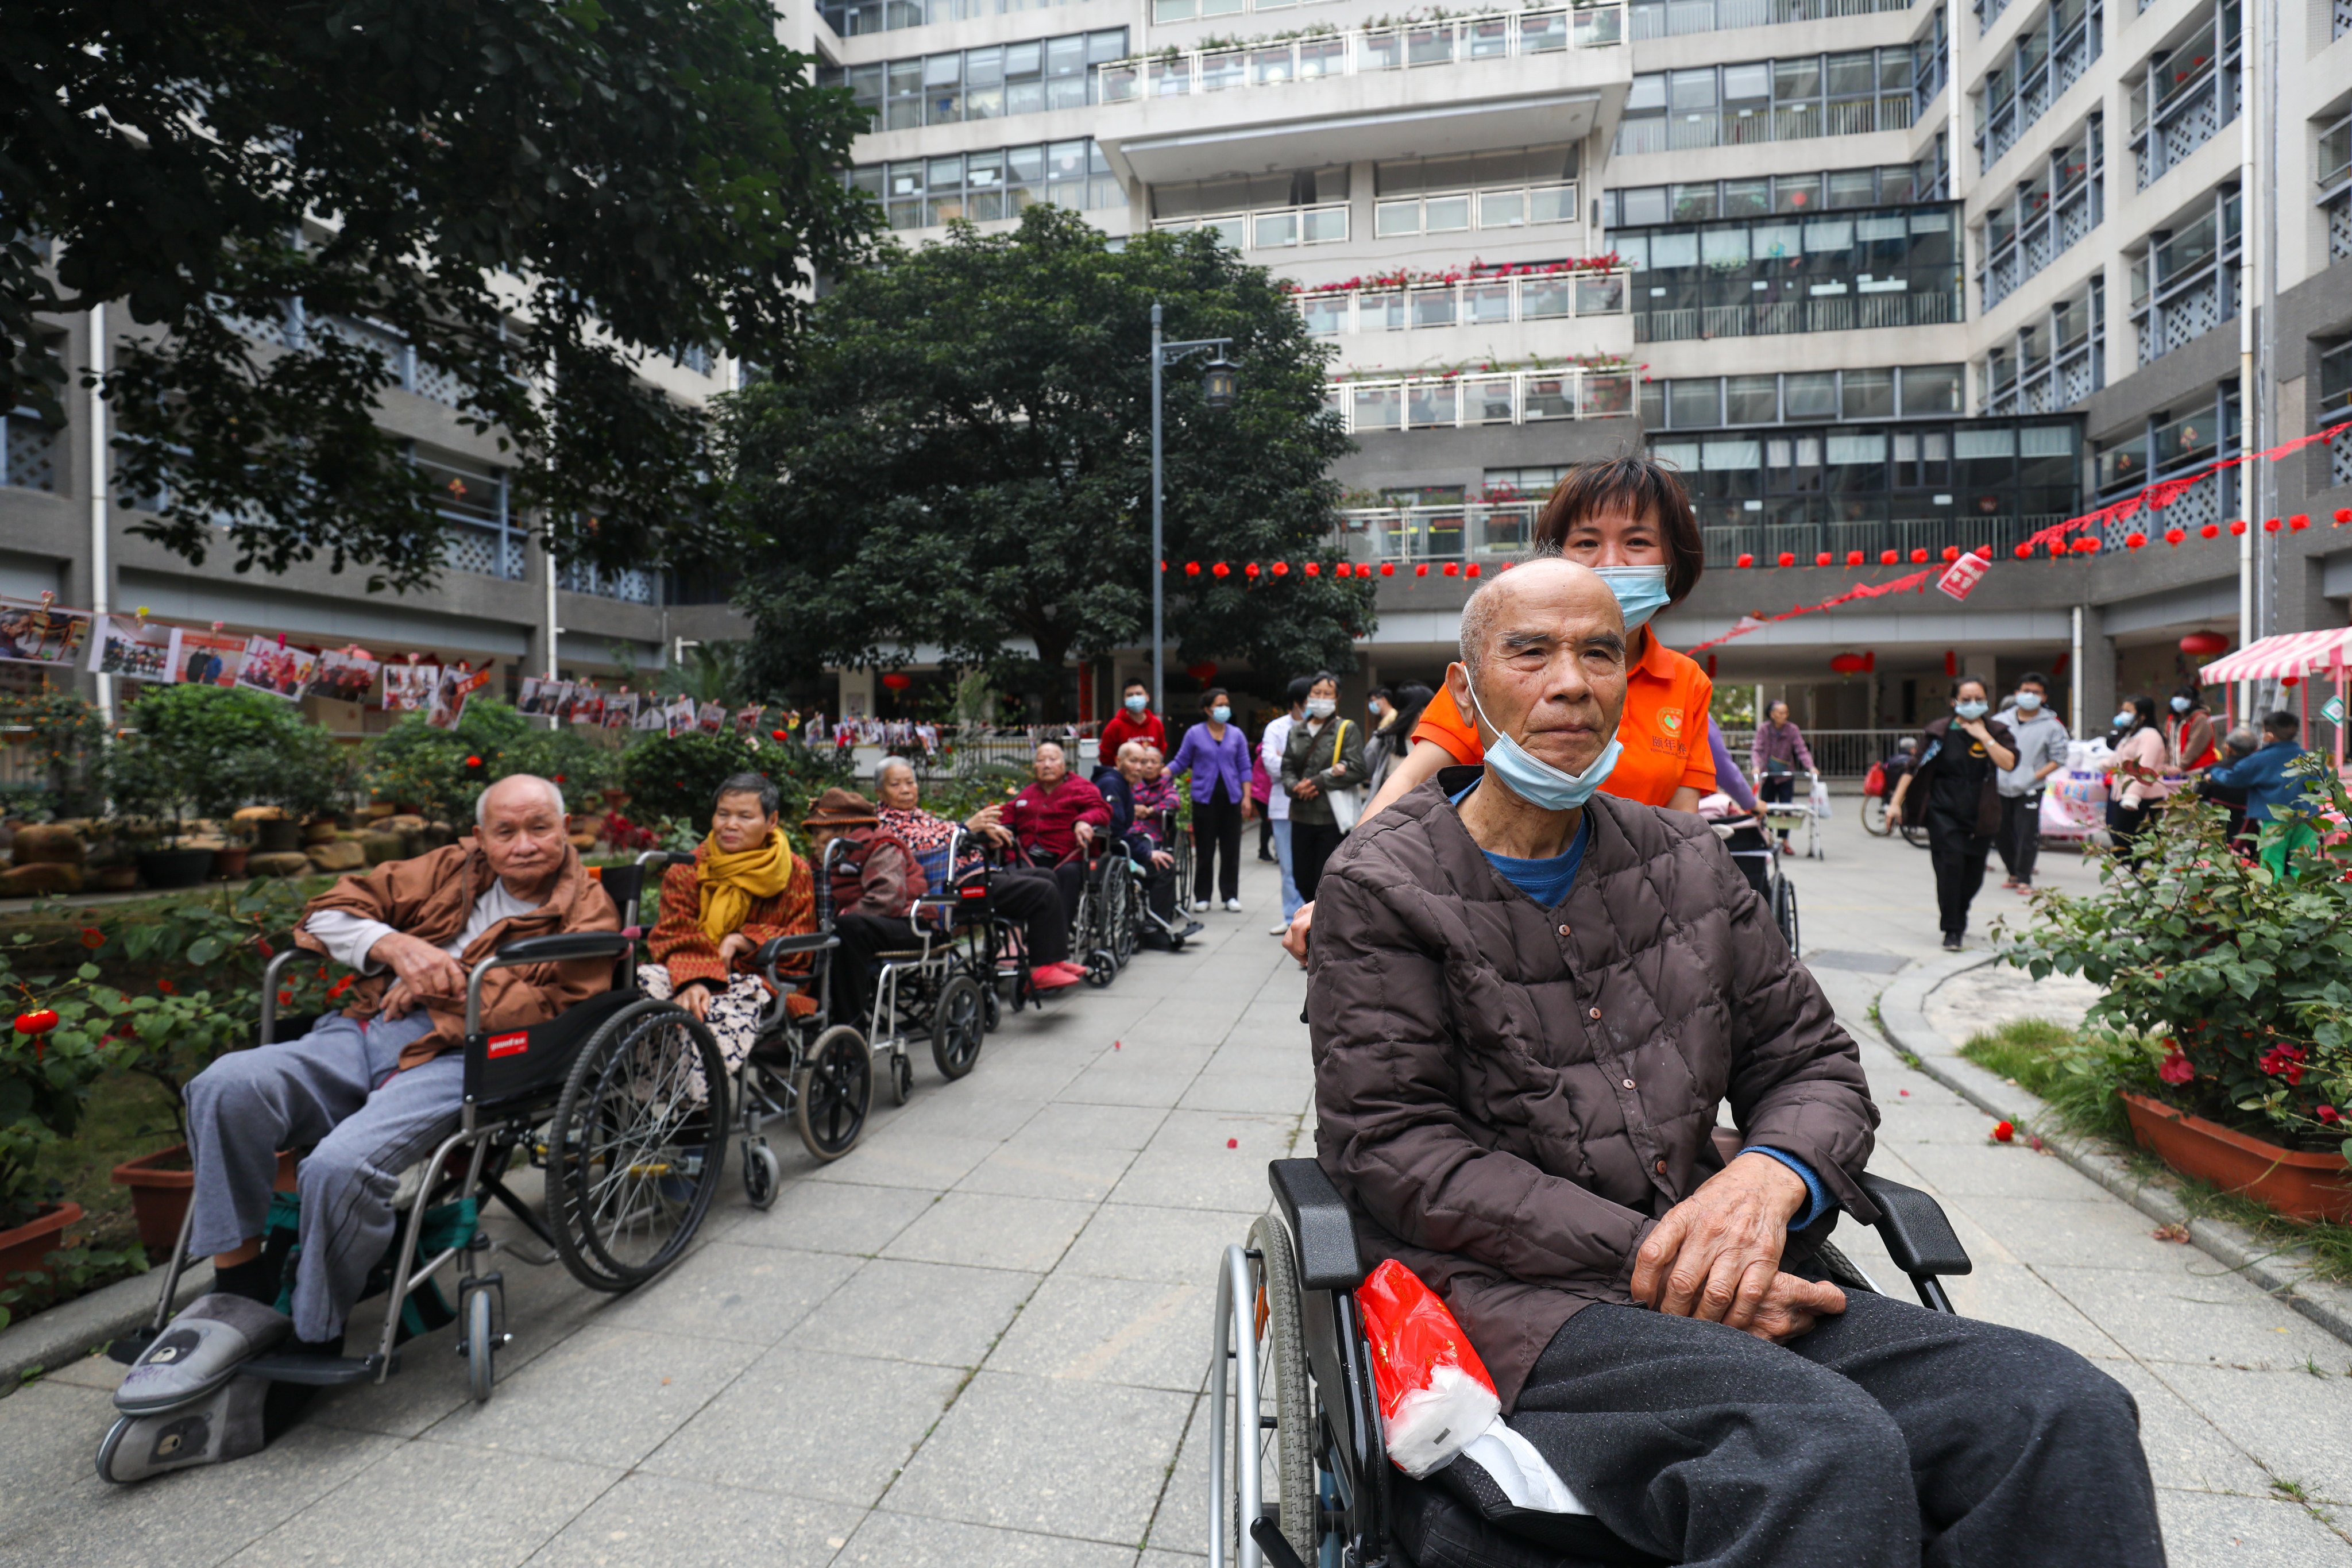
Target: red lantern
<point>1453,569</point>
<point>2086,545</point>
<point>1951,553</point>
<point>1853,559</point>
<point>2299,522</point>
<point>2211,531</point>
<point>1788,559</point>
<point>2024,552</point>
<point>1823,559</point>
<point>2203,645</point>
<point>2343,515</point>
<point>1282,568</point>
<point>1710,666</point>
<point>2133,540</point>
<point>1388,568</point>
<point>1204,672</point>
<point>1221,570</point>
<point>1869,660</point>
<point>1315,569</point>
<point>898,680</point>
<point>2173,537</point>
<point>1918,558</point>
<point>2057,548</point>
<point>779,735</point>
<point>2238,525</point>
<point>2290,680</point>
<point>1846,663</point>
<point>2272,526</point>
<point>1250,569</point>
<point>1744,560</point>
<point>1889,557</point>
<point>1951,664</point>
<point>1421,570</point>
<point>1470,570</point>
<point>1191,569</point>
<point>473,761</point>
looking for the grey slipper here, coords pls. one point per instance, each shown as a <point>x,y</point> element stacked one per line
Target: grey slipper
<point>225,1426</point>
<point>199,1352</point>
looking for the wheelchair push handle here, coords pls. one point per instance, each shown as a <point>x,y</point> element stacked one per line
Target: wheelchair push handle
<point>1917,1235</point>
<point>269,991</point>
<point>1320,1221</point>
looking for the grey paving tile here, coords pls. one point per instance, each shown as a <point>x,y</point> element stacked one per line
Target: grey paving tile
<point>917,1311</point>
<point>640,1386</point>
<point>1223,1087</point>
<point>436,1503</point>
<point>54,1510</point>
<point>2297,1426</point>
<point>1031,1165</point>
<point>1182,1524</point>
<point>906,1540</point>
<point>989,1230</point>
<point>2014,1294</point>
<point>971,1108</point>
<point>2184,1448</point>
<point>811,1425</point>
<point>2195,1311</point>
<point>1086,1126</point>
<point>663,1521</point>
<point>2104,1233</point>
<point>1135,1241</point>
<point>2000,1171</point>
<point>930,1161</point>
<point>725,1292</point>
<point>1156,1085</point>
<point>2205,1530</point>
<point>1037,1453</point>
<point>1189,1165</point>
<point>97,1369</point>
<point>830,1216</point>
<point>1151,1333</point>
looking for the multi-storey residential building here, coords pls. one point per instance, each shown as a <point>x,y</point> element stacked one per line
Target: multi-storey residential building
<point>1888,277</point>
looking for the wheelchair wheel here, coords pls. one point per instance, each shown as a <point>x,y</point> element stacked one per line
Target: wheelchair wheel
<point>958,1027</point>
<point>1101,968</point>
<point>1277,1437</point>
<point>635,1153</point>
<point>1784,911</point>
<point>763,1174</point>
<point>902,1079</point>
<point>481,1346</point>
<point>1914,832</point>
<point>1874,815</point>
<point>1127,921</point>
<point>831,1092</point>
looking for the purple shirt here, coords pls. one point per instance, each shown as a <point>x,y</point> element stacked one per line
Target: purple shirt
<point>1211,763</point>
<point>1731,782</point>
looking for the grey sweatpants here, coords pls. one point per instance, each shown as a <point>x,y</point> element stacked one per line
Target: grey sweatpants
<point>340,1089</point>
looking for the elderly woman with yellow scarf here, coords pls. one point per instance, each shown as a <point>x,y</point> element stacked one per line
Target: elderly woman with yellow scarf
<point>745,886</point>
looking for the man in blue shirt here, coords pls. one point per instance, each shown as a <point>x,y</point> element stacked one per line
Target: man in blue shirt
<point>2275,788</point>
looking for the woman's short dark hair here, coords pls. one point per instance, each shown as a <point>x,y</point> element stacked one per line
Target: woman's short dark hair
<point>749,784</point>
<point>1642,488</point>
<point>1209,698</point>
<point>1319,677</point>
<point>1409,700</point>
<point>1977,681</point>
<point>2195,693</point>
<point>2143,709</point>
<point>1299,689</point>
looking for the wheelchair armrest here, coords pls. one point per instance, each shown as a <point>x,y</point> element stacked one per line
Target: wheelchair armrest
<point>1913,1225</point>
<point>1318,1218</point>
<point>561,947</point>
<point>777,947</point>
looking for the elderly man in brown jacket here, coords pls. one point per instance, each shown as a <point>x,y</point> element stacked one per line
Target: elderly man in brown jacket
<point>374,1087</point>
<point>1528,1002</point>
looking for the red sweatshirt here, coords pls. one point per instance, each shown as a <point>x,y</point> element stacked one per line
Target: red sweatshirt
<point>1043,820</point>
<point>1121,729</point>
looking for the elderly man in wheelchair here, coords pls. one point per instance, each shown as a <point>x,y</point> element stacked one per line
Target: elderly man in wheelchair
<point>1528,1004</point>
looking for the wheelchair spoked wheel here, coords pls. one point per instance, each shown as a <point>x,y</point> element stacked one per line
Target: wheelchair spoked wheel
<point>1874,815</point>
<point>1269,1434</point>
<point>832,1091</point>
<point>1102,968</point>
<point>1784,911</point>
<point>1126,921</point>
<point>959,1025</point>
<point>637,1146</point>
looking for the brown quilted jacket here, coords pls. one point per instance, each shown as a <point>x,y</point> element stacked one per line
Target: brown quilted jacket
<point>1511,1097</point>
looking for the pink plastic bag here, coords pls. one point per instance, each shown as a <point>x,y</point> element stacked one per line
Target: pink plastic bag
<point>1435,1393</point>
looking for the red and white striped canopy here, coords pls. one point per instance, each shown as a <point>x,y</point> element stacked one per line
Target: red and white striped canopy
<point>2292,653</point>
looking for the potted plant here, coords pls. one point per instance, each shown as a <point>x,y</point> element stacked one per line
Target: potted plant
<point>49,1053</point>
<point>2224,999</point>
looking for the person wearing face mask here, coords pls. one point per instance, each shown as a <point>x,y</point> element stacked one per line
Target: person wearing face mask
<point>1630,520</point>
<point>2142,758</point>
<point>2190,731</point>
<point>1325,753</point>
<point>1216,755</point>
<point>1956,787</point>
<point>1135,721</point>
<point>2041,740</point>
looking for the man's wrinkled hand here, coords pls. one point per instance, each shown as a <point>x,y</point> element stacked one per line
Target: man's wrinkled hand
<point>1717,1254</point>
<point>423,968</point>
<point>400,1000</point>
<point>1793,1306</point>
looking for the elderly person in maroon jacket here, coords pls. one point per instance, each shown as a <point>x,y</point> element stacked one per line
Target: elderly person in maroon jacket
<point>1528,1002</point>
<point>1054,817</point>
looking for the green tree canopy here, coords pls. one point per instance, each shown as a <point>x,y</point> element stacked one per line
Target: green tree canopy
<point>960,455</point>
<point>531,198</point>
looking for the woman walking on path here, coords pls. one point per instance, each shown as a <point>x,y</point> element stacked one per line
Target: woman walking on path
<point>1271,743</point>
<point>2140,762</point>
<point>2041,740</point>
<point>2193,739</point>
<point>1957,781</point>
<point>1779,753</point>
<point>1325,754</point>
<point>1216,755</point>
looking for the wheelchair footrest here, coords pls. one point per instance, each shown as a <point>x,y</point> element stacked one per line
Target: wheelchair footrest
<point>317,1370</point>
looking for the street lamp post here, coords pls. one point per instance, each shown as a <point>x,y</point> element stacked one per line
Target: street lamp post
<point>1218,380</point>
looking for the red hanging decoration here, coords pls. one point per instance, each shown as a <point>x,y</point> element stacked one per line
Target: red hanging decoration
<point>1744,560</point>
<point>2173,537</point>
<point>2133,540</point>
<point>1869,660</point>
<point>2299,522</point>
<point>1710,666</point>
<point>1282,568</point>
<point>1889,557</point>
<point>1853,559</point>
<point>1788,558</point>
<point>2025,551</point>
<point>2238,526</point>
<point>1951,554</point>
<point>2343,515</point>
<point>898,680</point>
<point>2272,526</point>
<point>1453,569</point>
<point>2211,531</point>
<point>1951,664</point>
<point>2204,645</point>
<point>2057,548</point>
<point>2290,680</point>
<point>1204,672</point>
<point>1847,663</point>
<point>1221,570</point>
<point>1823,559</point>
<point>1918,558</point>
<point>1470,570</point>
<point>1388,568</point>
<point>1421,570</point>
<point>1250,571</point>
<point>2086,545</point>
<point>1191,569</point>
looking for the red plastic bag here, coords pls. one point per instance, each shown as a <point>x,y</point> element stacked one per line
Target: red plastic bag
<point>1435,1393</point>
<point>1875,781</point>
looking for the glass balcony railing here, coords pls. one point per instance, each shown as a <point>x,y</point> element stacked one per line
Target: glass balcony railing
<point>1179,73</point>
<point>1273,228</point>
<point>2334,153</point>
<point>1460,211</point>
<point>1495,397</point>
<point>1673,18</point>
<point>1409,535</point>
<point>1475,302</point>
<point>1733,126</point>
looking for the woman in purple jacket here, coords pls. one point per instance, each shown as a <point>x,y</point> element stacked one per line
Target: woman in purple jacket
<point>1217,756</point>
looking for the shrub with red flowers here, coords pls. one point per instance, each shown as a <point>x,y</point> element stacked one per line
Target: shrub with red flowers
<point>2224,980</point>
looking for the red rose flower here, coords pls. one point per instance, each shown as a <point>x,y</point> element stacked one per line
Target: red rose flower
<point>92,937</point>
<point>2175,1068</point>
<point>2002,1132</point>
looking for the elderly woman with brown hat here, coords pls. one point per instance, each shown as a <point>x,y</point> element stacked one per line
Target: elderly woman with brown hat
<point>875,882</point>
<point>745,886</point>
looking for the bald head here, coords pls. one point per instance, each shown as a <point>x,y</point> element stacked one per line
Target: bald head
<point>1546,578</point>
<point>1543,662</point>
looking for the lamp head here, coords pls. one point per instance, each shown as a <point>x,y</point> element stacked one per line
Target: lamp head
<point>1219,381</point>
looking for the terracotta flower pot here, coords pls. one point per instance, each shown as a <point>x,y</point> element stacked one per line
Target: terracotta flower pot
<point>160,1186</point>
<point>21,1249</point>
<point>614,798</point>
<point>229,864</point>
<point>2296,1185</point>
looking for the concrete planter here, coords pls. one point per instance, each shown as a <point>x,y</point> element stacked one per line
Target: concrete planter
<point>2299,1186</point>
<point>21,1249</point>
<point>160,1185</point>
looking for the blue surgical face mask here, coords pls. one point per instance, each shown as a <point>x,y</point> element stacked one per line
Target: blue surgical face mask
<point>1640,591</point>
<point>1537,782</point>
<point>1320,707</point>
<point>2180,705</point>
<point>2123,720</point>
<point>1972,709</point>
<point>1220,713</point>
<point>1373,709</point>
<point>1137,703</point>
<point>2029,701</point>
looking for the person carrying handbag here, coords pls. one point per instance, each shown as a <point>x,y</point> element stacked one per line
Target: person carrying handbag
<point>1322,772</point>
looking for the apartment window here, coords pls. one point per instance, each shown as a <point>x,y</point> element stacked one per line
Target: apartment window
<point>1751,400</point>
<point>856,18</point>
<point>1634,206</point>
<point>1768,101</point>
<point>981,188</point>
<point>1519,188</point>
<point>1699,402</point>
<point>980,84</point>
<point>1871,269</point>
<point>1522,484</point>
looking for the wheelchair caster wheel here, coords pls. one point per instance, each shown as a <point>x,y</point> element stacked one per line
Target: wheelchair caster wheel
<point>481,1344</point>
<point>902,1078</point>
<point>992,1008</point>
<point>763,1174</point>
<point>1101,968</point>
